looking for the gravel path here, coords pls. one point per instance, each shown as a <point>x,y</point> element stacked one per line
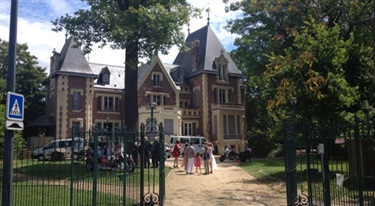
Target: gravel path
<point>229,185</point>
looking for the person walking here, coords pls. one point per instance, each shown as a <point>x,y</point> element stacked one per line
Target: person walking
<point>206,159</point>
<point>197,162</point>
<point>190,153</point>
<point>176,153</point>
<point>155,153</point>
<point>185,157</point>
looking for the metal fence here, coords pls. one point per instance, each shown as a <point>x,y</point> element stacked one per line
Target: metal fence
<point>331,164</point>
<point>93,168</point>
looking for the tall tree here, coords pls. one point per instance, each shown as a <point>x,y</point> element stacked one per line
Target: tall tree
<point>268,33</point>
<point>29,80</point>
<point>142,28</point>
<point>318,51</point>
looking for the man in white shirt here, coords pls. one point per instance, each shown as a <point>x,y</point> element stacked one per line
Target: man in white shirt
<point>190,152</point>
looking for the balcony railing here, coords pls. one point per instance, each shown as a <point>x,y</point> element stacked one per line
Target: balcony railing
<point>190,112</point>
<point>228,106</point>
<point>233,136</point>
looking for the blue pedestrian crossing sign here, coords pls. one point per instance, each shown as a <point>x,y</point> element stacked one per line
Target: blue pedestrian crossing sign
<point>15,105</point>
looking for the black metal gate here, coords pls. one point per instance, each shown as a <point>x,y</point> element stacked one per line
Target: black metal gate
<point>126,166</point>
<point>332,164</point>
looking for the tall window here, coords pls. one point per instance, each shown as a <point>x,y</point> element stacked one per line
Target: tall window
<point>99,103</point>
<point>117,104</point>
<point>225,95</point>
<point>108,103</point>
<point>168,126</point>
<point>232,124</point>
<point>156,80</point>
<point>76,101</point>
<point>158,99</point>
<point>184,104</point>
<point>222,98</point>
<point>188,128</point>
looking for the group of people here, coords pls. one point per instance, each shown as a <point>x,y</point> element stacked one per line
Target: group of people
<point>151,151</point>
<point>192,158</point>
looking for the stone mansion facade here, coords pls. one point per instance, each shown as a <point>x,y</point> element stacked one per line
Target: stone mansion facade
<point>201,93</point>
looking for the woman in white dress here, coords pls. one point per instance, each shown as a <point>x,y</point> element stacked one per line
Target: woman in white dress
<point>212,161</point>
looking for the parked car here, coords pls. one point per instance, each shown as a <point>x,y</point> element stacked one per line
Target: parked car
<point>62,146</point>
<point>198,141</point>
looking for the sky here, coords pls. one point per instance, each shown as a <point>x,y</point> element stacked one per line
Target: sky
<point>34,28</point>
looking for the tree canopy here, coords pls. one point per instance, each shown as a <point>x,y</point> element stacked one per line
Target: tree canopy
<point>320,52</point>
<point>29,80</point>
<point>143,28</point>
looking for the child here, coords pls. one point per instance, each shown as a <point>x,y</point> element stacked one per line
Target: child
<point>206,159</point>
<point>197,162</point>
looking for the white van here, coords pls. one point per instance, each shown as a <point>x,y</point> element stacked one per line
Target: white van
<point>61,145</point>
<point>198,142</point>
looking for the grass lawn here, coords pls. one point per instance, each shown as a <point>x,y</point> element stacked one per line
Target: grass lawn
<point>49,182</point>
<point>271,171</point>
<point>268,171</point>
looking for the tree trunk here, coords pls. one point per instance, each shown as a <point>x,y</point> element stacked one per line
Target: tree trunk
<point>373,35</point>
<point>131,89</point>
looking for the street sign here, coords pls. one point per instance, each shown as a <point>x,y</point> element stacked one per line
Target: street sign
<point>13,125</point>
<point>14,107</point>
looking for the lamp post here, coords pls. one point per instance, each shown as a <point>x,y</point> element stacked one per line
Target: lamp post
<point>152,119</point>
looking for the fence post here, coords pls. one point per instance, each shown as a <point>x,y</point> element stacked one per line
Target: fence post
<point>142,179</point>
<point>358,160</point>
<point>95,169</point>
<point>162,166</point>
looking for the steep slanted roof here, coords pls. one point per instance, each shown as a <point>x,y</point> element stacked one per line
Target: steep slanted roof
<point>209,48</point>
<point>144,71</point>
<point>116,79</point>
<point>43,120</point>
<point>72,61</point>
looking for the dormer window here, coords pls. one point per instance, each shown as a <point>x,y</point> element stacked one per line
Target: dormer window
<point>104,76</point>
<point>222,72</point>
<point>221,65</point>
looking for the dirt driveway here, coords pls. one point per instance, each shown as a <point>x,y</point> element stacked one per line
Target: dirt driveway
<point>229,185</point>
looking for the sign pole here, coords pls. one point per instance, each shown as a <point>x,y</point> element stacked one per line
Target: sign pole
<point>9,134</point>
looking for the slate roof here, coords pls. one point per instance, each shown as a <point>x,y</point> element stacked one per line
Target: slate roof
<point>210,48</point>
<point>43,120</point>
<point>116,78</point>
<point>72,61</point>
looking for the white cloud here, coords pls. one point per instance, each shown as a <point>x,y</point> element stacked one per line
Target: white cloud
<point>34,28</point>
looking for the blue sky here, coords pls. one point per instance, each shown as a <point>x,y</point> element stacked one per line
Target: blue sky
<point>34,28</point>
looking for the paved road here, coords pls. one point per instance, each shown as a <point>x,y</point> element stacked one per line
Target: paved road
<point>229,185</point>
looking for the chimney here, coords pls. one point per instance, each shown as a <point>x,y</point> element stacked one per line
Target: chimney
<point>195,54</point>
<point>54,61</point>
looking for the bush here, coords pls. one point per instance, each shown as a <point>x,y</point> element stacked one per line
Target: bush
<point>261,146</point>
<point>278,151</point>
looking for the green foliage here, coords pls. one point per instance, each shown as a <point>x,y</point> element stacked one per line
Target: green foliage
<point>29,80</point>
<point>313,71</point>
<point>155,25</point>
<point>323,55</point>
<point>142,28</point>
